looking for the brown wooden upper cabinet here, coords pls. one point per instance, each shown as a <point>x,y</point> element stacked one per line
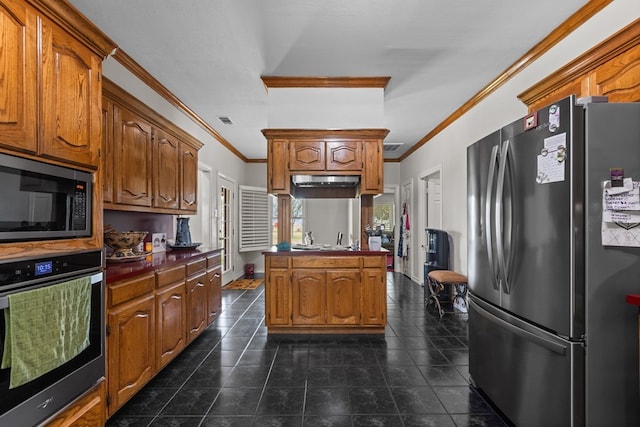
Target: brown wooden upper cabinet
<point>18,66</point>
<point>155,164</point>
<point>166,165</point>
<point>188,177</point>
<point>306,155</point>
<point>57,116</point>
<point>344,155</point>
<point>325,152</point>
<point>132,162</point>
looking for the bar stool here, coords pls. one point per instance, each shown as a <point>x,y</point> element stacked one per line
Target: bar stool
<point>437,281</point>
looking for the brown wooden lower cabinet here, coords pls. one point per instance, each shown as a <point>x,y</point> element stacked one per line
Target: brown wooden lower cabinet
<point>214,287</point>
<point>131,349</point>
<point>152,317</point>
<point>171,304</point>
<point>325,293</point>
<point>87,411</point>
<point>197,307</point>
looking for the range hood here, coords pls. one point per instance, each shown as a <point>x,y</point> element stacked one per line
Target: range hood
<point>325,181</point>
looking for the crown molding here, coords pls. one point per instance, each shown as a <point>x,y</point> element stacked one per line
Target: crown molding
<point>553,38</point>
<point>324,82</point>
<point>136,69</point>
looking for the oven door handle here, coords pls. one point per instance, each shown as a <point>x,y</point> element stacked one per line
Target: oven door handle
<point>95,278</point>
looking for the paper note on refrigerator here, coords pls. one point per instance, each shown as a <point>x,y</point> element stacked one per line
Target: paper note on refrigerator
<point>628,200</point>
<point>621,216</point>
<point>551,160</point>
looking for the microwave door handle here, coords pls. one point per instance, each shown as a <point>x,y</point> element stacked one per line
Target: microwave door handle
<point>488,217</point>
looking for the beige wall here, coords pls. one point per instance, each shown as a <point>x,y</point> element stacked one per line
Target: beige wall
<point>448,148</point>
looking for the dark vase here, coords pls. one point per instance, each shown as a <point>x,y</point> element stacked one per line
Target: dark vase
<point>183,235</point>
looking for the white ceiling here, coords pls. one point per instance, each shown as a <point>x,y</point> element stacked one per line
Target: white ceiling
<point>211,54</point>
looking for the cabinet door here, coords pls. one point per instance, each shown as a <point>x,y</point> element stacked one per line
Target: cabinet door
<point>18,69</point>
<point>132,159</point>
<point>277,166</point>
<point>188,177</point>
<point>88,411</point>
<point>372,175</point>
<point>344,155</point>
<point>166,176</point>
<point>196,306</point>
<point>306,155</point>
<point>343,297</point>
<point>278,298</point>
<point>131,351</point>
<point>214,293</point>
<point>71,98</point>
<point>374,297</point>
<point>309,297</point>
<point>107,150</point>
<point>171,308</point>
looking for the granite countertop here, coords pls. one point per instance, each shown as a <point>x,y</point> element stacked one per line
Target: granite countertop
<point>153,262</point>
<point>323,252</point>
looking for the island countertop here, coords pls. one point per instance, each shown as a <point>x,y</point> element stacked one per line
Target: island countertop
<point>324,252</point>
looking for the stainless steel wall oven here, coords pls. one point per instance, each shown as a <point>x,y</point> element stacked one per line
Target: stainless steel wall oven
<point>40,398</point>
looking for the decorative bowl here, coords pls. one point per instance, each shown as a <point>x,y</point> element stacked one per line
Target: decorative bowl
<point>123,242</point>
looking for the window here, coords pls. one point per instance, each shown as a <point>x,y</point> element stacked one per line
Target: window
<point>297,220</point>
<point>254,219</point>
<point>383,216</point>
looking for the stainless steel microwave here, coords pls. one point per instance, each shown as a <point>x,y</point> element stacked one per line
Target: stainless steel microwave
<point>41,201</point>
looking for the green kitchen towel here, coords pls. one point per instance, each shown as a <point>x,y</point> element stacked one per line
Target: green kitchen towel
<point>45,328</point>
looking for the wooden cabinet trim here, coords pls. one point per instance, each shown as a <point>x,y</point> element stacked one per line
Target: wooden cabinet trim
<point>622,41</point>
<point>196,266</point>
<point>170,275</point>
<point>325,262</point>
<point>128,289</point>
<point>87,410</point>
<point>325,134</point>
<point>123,98</point>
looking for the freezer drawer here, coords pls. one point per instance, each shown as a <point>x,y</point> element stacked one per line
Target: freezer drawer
<point>535,378</point>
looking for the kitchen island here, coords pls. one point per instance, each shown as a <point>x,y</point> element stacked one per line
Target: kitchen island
<point>325,292</point>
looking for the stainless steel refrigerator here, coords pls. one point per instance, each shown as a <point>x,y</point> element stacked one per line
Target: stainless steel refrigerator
<point>551,340</point>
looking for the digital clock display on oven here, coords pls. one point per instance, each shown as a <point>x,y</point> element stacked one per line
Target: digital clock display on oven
<point>44,267</point>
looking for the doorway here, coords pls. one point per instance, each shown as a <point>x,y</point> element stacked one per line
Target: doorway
<point>384,216</point>
<point>430,206</point>
<point>226,230</point>
<point>204,222</point>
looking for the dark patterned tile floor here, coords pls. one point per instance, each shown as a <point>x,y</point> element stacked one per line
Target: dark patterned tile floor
<point>235,374</point>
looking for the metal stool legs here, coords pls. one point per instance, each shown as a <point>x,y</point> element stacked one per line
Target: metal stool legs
<point>434,290</point>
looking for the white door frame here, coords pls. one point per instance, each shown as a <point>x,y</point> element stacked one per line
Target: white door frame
<point>422,216</point>
<point>205,219</point>
<point>227,274</point>
<point>395,190</point>
<point>407,196</point>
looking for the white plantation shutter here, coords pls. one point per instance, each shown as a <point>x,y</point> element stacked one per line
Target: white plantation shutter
<point>255,223</point>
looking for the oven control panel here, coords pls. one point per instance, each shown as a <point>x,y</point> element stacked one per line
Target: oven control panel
<point>31,269</point>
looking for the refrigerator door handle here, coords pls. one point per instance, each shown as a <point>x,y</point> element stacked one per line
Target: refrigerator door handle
<point>502,226</point>
<point>548,344</point>
<point>487,206</point>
